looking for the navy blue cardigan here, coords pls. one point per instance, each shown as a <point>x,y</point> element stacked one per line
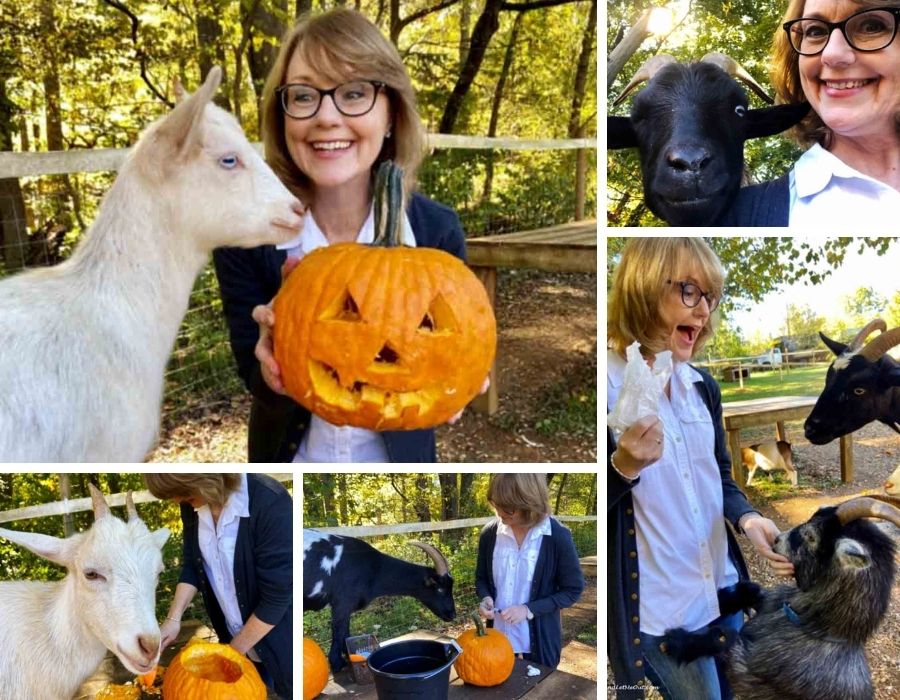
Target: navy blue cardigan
<point>765,204</point>
<point>623,601</point>
<point>248,277</point>
<point>557,583</point>
<point>263,574</point>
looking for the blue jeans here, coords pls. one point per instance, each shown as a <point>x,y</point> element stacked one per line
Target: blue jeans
<point>703,679</point>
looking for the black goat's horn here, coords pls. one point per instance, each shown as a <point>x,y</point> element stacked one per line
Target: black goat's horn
<point>648,69</point>
<point>881,344</point>
<point>736,70</point>
<point>867,507</point>
<point>440,564</point>
<point>865,332</point>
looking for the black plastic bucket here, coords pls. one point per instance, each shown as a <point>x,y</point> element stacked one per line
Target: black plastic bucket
<point>416,668</point>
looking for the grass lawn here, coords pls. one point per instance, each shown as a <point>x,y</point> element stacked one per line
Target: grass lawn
<point>805,380</point>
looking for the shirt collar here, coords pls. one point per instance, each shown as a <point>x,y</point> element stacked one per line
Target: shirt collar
<point>542,529</point>
<point>237,505</point>
<point>312,237</point>
<point>816,168</point>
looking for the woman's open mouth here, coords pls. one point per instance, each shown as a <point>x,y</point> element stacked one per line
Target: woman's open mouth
<point>688,334</point>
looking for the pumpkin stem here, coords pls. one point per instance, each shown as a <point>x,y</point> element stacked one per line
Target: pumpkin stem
<point>479,625</point>
<point>388,204</point>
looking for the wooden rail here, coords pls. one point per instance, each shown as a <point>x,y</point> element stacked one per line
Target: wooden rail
<point>569,247</point>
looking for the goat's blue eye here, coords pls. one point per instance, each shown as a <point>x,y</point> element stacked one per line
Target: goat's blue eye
<point>228,162</point>
<point>740,110</point>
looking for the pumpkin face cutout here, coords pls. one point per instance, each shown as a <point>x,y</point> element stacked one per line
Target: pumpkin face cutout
<point>209,671</point>
<point>381,338</point>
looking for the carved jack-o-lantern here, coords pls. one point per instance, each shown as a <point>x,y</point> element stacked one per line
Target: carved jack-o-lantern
<point>385,338</point>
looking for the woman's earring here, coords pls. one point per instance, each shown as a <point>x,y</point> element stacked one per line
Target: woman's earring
<point>388,134</point>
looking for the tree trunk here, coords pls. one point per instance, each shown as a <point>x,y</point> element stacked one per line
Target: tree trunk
<point>420,500</point>
<point>211,46</point>
<point>495,106</point>
<point>487,25</point>
<point>578,127</point>
<point>466,483</point>
<point>465,19</point>
<point>342,498</point>
<point>559,493</point>
<point>624,50</point>
<point>268,25</point>
<point>301,7</point>
<point>449,496</point>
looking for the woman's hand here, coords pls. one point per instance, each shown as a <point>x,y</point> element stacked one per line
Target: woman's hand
<point>168,632</point>
<point>265,350</point>
<point>514,614</point>
<point>485,385</point>
<point>486,608</point>
<point>639,446</point>
<point>762,533</point>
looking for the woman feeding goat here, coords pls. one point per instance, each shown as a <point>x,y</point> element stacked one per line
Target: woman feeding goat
<point>238,552</point>
<point>668,471</point>
<point>843,57</point>
<point>337,103</point>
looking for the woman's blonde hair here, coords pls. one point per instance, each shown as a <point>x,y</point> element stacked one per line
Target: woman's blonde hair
<point>642,278</point>
<point>526,493</point>
<point>212,488</point>
<point>342,45</point>
<point>785,75</point>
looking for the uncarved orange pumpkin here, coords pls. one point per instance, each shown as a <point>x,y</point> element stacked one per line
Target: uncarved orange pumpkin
<point>487,657</point>
<point>384,337</point>
<point>315,669</point>
<point>209,671</point>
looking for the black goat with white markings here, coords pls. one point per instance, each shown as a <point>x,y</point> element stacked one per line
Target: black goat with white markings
<point>862,385</point>
<point>348,574</point>
<point>690,124</point>
<point>806,642</point>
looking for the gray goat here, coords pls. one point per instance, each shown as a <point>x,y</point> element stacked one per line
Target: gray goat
<point>806,642</point>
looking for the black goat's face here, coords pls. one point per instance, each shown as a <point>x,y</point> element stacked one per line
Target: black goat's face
<point>856,393</point>
<point>690,123</point>
<point>810,546</point>
<point>439,595</point>
<point>689,120</point>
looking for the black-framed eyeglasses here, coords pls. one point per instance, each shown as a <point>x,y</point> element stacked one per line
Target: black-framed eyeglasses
<point>868,30</point>
<point>352,99</point>
<point>691,295</point>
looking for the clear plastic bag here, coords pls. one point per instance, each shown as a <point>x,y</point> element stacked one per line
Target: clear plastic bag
<point>641,388</point>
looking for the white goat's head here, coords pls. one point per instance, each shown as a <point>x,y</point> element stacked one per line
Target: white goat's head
<point>211,183</point>
<point>113,571</point>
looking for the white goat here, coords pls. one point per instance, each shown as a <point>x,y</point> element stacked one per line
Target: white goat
<point>54,635</point>
<point>85,343</point>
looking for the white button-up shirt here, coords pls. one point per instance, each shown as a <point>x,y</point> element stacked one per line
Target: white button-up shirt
<point>828,194</point>
<point>513,570</point>
<point>217,544</point>
<point>323,441</point>
<point>678,508</point>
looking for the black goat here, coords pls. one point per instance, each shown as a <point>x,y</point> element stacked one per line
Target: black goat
<point>690,124</point>
<point>862,385</point>
<point>348,574</point>
<point>806,642</point>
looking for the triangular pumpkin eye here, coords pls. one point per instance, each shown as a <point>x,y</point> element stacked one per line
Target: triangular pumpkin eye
<point>439,317</point>
<point>343,309</point>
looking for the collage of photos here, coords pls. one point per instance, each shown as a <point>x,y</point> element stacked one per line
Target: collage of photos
<point>181,586</point>
<point>250,245</point>
<point>753,350</point>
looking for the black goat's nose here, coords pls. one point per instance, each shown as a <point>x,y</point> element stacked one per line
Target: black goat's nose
<point>687,158</point>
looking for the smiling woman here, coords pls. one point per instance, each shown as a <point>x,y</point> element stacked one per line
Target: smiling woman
<point>843,57</point>
<point>337,103</point>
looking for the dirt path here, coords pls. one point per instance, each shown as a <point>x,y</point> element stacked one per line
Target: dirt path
<point>547,353</point>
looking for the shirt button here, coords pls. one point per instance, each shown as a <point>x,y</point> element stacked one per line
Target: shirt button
<point>628,511</point>
<point>634,619</point>
<point>630,531</point>
<point>634,576</point>
<point>634,596</point>
<point>633,555</point>
<point>637,641</point>
<point>639,663</point>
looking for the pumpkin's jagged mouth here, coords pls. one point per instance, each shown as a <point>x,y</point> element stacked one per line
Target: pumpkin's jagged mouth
<point>213,667</point>
<point>391,404</point>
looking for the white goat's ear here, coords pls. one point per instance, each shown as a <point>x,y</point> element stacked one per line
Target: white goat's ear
<point>55,549</point>
<point>178,89</point>
<point>850,554</point>
<point>160,536</point>
<point>181,130</point>
<point>101,509</point>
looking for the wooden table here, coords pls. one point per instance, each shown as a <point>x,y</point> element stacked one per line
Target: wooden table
<point>549,685</point>
<point>744,414</point>
<point>570,247</point>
